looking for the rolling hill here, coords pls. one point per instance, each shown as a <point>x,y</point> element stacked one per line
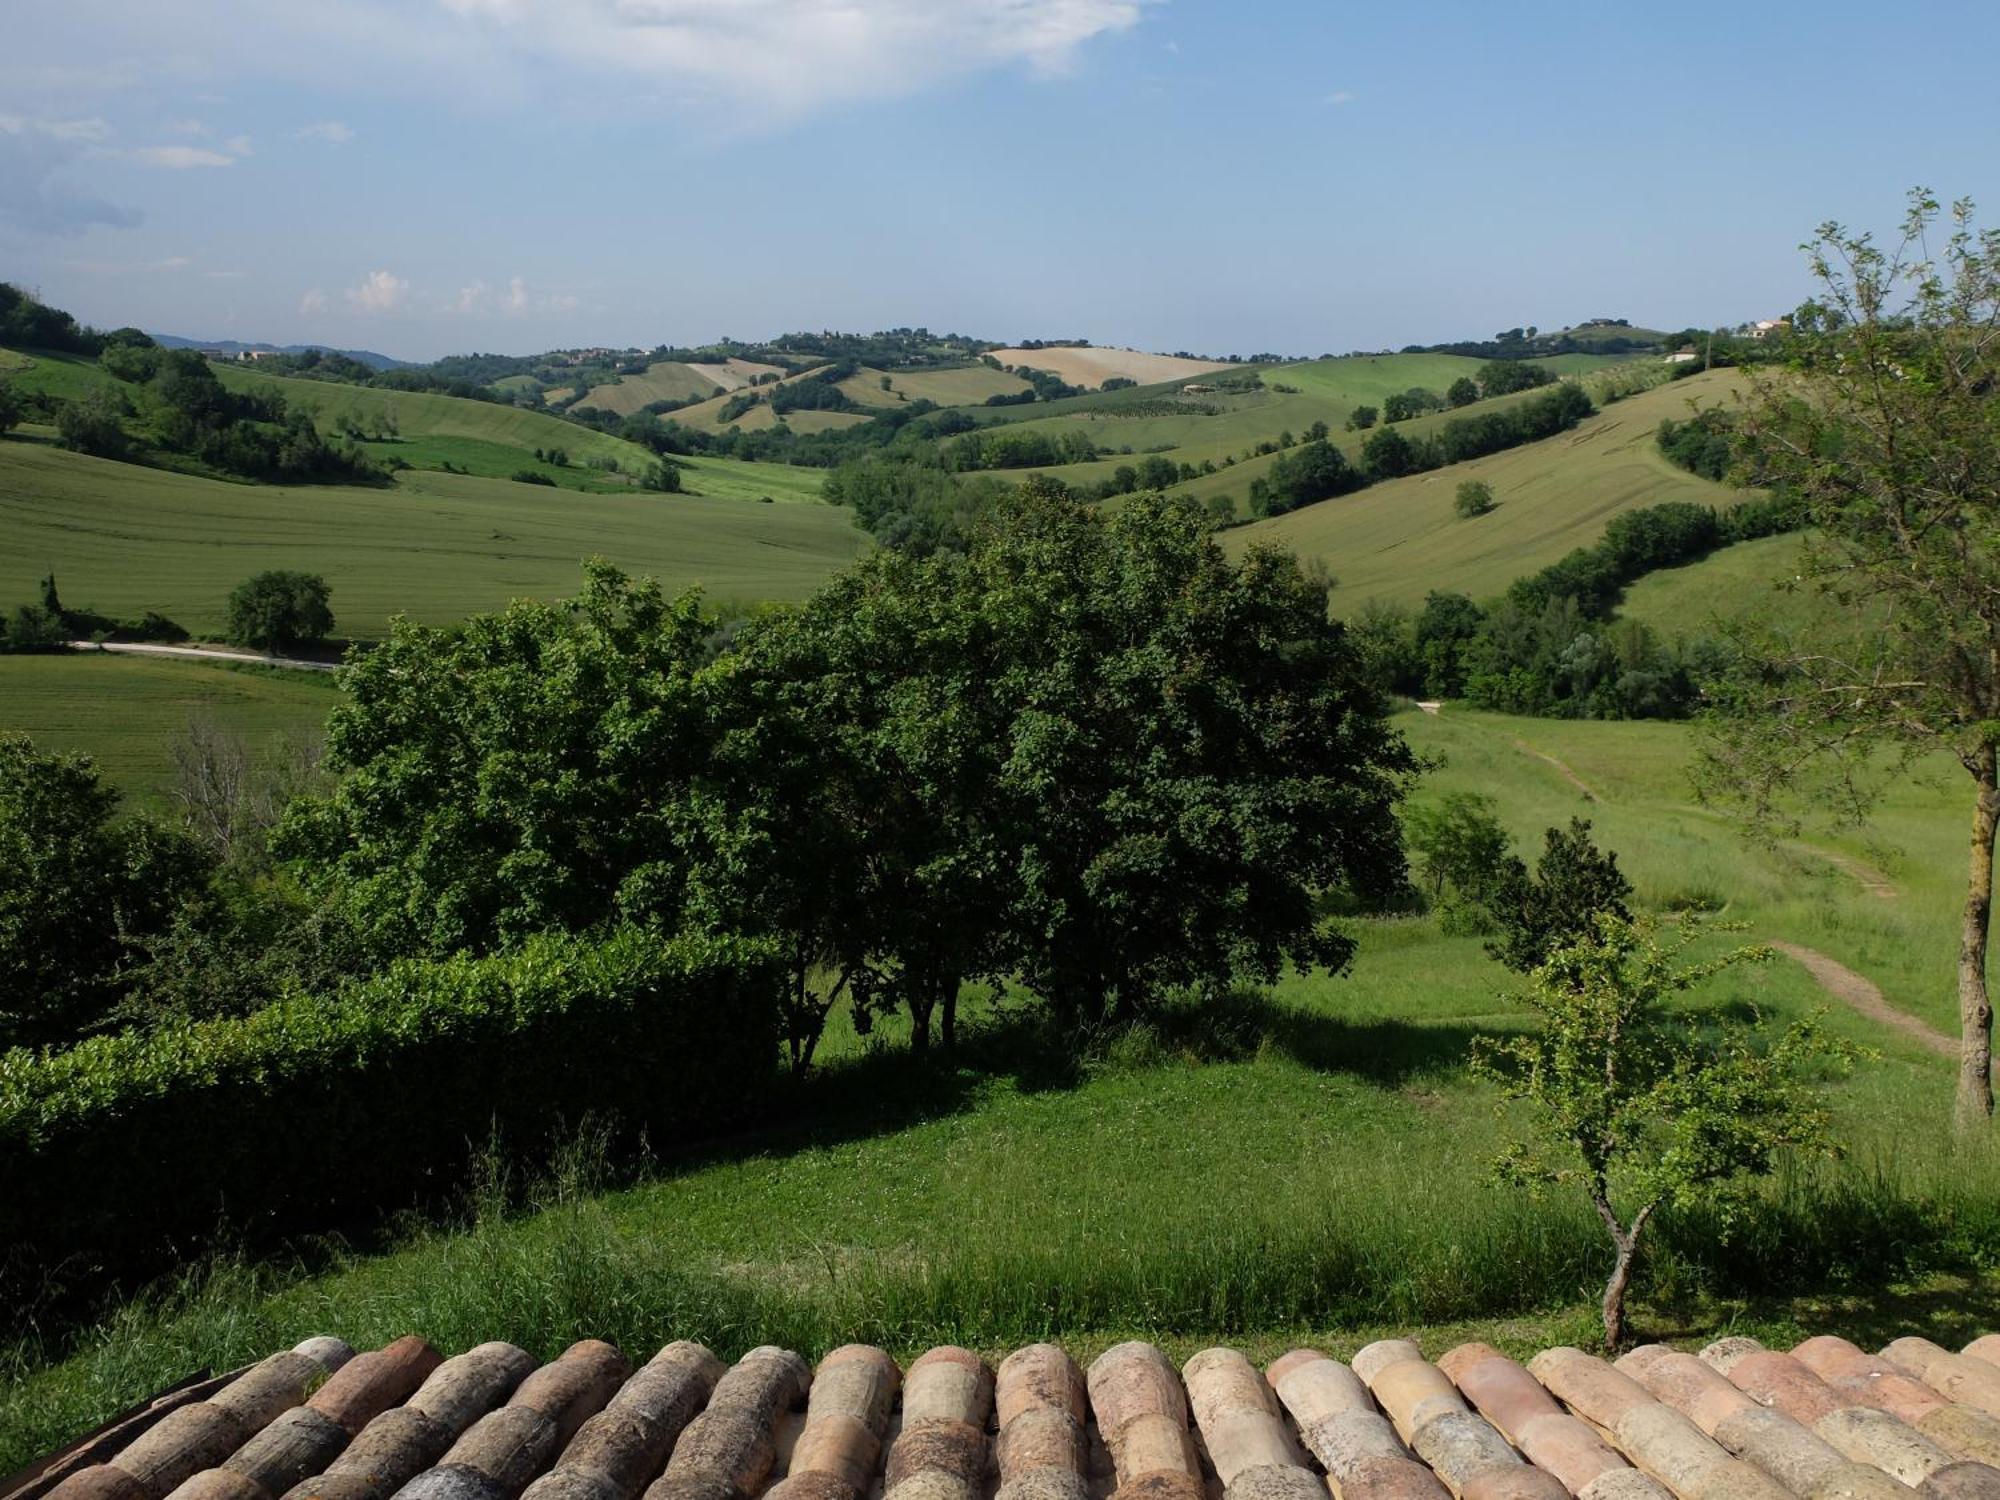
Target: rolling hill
<point>1399,540</point>
<point>124,539</point>
<point>1092,366</point>
<point>1214,425</point>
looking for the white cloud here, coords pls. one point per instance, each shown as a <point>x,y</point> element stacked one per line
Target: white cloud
<point>226,275</point>
<point>1339,96</point>
<point>381,292</point>
<point>333,132</point>
<point>237,145</point>
<point>470,298</point>
<point>312,303</point>
<point>181,158</point>
<point>516,300</point>
<point>789,55</point>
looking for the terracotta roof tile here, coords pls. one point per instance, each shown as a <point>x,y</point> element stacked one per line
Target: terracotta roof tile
<point>1827,1421</point>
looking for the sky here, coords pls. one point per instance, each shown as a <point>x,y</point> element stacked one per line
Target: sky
<point>423,177</point>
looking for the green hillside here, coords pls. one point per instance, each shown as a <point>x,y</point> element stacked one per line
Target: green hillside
<point>1215,424</point>
<point>124,710</point>
<point>1401,539</point>
<point>1723,586</point>
<point>124,539</point>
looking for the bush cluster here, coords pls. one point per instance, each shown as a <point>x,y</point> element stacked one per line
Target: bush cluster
<point>319,1108</point>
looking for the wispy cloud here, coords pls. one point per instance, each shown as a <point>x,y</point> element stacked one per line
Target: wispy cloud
<point>35,195</point>
<point>333,132</point>
<point>182,158</point>
<point>226,275</point>
<point>129,267</point>
<point>312,304</point>
<point>1339,97</point>
<point>792,55</point>
<point>381,292</point>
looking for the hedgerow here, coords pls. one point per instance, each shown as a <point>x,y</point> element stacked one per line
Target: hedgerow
<point>132,1147</point>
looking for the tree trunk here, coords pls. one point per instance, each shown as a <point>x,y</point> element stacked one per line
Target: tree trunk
<point>1974,1106</point>
<point>1626,1242</point>
<point>1614,1295</point>
<point>948,1017</point>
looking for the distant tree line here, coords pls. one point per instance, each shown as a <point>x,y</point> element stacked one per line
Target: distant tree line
<point>1550,646</point>
<point>178,405</point>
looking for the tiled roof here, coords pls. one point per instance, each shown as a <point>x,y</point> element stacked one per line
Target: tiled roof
<point>1827,1421</point>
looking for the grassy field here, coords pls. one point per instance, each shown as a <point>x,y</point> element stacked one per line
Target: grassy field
<point>1309,1169</point>
<point>1725,585</point>
<point>1093,366</point>
<point>124,539</point>
<point>967,387</point>
<point>1401,539</point>
<point>671,380</point>
<point>125,710</point>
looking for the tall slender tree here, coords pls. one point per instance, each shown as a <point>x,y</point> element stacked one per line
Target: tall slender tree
<point>1885,423</point>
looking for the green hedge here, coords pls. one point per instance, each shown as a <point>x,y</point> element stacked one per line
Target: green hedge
<point>128,1150</point>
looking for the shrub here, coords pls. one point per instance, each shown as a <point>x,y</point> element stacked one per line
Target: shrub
<point>94,424</point>
<point>1474,498</point>
<point>529,476</point>
<point>279,609</point>
<point>131,1146</point>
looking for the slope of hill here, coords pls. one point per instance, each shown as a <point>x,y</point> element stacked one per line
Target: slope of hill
<point>1093,366</point>
<point>124,539</point>
<point>1213,425</point>
<point>1401,539</point>
<point>1726,585</point>
<point>124,710</point>
<point>672,380</point>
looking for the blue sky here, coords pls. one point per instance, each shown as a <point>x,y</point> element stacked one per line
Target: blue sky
<point>427,176</point>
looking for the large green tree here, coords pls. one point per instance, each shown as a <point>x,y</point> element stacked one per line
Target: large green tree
<point>280,609</point>
<point>1194,755</point>
<point>1886,427</point>
<point>520,772</point>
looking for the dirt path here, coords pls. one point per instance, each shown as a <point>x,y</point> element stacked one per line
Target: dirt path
<point>196,653</point>
<point>1589,795</point>
<point>1851,989</point>
<point>1870,879</point>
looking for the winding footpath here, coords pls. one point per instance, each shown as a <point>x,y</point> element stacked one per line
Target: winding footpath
<point>1835,978</point>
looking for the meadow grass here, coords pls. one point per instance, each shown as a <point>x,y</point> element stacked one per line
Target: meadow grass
<point>1312,1166</point>
<point>1398,540</point>
<point>123,539</point>
<point>124,710</point>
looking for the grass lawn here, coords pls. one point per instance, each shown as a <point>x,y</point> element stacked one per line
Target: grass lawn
<point>123,539</point>
<point>1312,1168</point>
<point>124,710</point>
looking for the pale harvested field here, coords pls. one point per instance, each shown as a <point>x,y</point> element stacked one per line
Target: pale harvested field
<point>1095,366</point>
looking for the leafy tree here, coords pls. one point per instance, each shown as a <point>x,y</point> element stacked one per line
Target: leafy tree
<point>1887,431</point>
<point>77,888</point>
<point>1502,377</point>
<point>1448,624</point>
<point>1573,884</point>
<point>94,424</point>
<point>1636,1107</point>
<point>1307,474</point>
<point>51,598</point>
<point>1386,454</point>
<point>520,772</point>
<point>1461,855</point>
<point>279,609</point>
<point>1194,755</point>
<point>1474,498</point>
<point>1462,391</point>
<point>1362,418</point>
<point>11,409</point>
